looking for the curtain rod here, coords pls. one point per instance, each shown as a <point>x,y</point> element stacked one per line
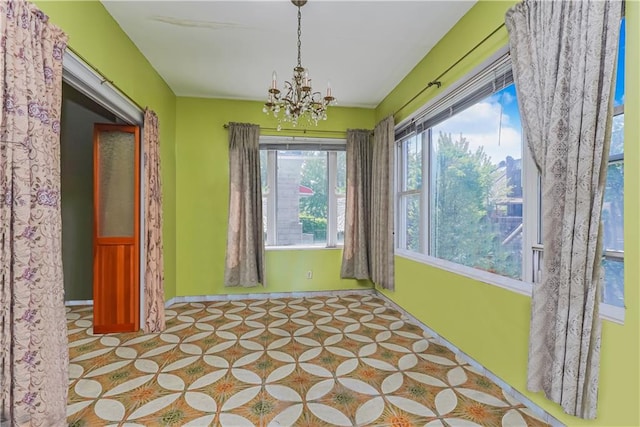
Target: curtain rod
<point>340,132</point>
<point>436,81</point>
<point>104,79</point>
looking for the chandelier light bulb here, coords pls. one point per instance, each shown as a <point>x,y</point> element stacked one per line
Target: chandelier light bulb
<point>297,100</point>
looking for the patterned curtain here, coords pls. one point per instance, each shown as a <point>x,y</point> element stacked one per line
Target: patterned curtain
<point>33,332</point>
<point>356,252</point>
<point>564,56</point>
<point>154,269</point>
<point>245,242</point>
<point>382,238</point>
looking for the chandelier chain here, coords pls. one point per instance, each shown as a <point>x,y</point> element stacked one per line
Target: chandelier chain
<point>299,35</point>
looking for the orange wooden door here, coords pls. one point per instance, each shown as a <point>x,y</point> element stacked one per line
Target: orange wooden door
<point>116,207</point>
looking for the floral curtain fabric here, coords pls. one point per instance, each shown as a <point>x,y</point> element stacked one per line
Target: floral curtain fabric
<point>355,255</point>
<point>382,240</point>
<point>244,264</point>
<point>154,268</point>
<point>33,333</point>
<point>564,56</point>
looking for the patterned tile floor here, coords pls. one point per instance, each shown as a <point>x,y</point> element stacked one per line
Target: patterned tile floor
<point>317,361</point>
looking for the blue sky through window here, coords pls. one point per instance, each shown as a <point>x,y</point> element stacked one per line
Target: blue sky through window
<point>493,124</point>
<point>619,94</point>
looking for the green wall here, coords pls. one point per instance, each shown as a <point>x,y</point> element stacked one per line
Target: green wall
<point>202,203</point>
<point>95,36</point>
<point>490,323</point>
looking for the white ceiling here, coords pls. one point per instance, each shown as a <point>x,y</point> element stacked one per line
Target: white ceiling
<point>229,49</point>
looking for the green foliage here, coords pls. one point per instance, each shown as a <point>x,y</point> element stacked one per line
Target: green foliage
<point>613,208</point>
<point>315,226</point>
<point>311,224</point>
<point>413,221</point>
<point>314,176</point>
<point>413,171</point>
<point>462,230</point>
<point>313,209</point>
<point>341,173</point>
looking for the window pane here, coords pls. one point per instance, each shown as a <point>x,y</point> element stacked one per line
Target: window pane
<point>301,198</point>
<point>476,186</point>
<point>613,289</point>
<point>341,178</point>
<point>617,136</point>
<point>263,178</point>
<point>613,208</point>
<point>263,171</point>
<point>341,188</point>
<point>116,182</point>
<point>412,173</point>
<point>410,206</point>
<point>619,93</point>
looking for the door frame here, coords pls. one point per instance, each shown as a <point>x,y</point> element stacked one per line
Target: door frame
<point>82,77</point>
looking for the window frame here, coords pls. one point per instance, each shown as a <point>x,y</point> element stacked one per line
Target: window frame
<point>610,311</point>
<point>434,108</point>
<point>273,144</point>
<point>403,193</point>
<point>532,249</point>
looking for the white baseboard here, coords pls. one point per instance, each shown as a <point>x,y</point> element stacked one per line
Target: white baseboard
<point>78,302</point>
<point>239,297</point>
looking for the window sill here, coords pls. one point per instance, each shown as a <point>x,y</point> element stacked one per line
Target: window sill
<point>612,313</point>
<point>607,312</point>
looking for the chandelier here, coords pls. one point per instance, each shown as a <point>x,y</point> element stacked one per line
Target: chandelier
<point>299,100</point>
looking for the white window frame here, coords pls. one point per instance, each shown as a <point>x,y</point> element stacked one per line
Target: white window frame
<point>524,286</point>
<point>532,239</point>
<point>402,193</point>
<point>274,144</point>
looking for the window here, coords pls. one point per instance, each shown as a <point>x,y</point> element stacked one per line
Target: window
<point>612,209</point>
<point>476,186</point>
<point>303,192</point>
<point>469,196</point>
<point>470,209</point>
<point>410,194</point>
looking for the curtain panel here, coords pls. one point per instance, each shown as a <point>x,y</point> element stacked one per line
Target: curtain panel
<point>564,56</point>
<point>356,252</point>
<point>154,261</point>
<point>33,333</point>
<point>382,186</point>
<point>244,264</point>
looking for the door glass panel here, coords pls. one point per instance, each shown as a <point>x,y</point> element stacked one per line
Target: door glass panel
<point>116,184</point>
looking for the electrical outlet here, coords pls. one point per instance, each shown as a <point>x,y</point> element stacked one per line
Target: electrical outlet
<point>309,274</point>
